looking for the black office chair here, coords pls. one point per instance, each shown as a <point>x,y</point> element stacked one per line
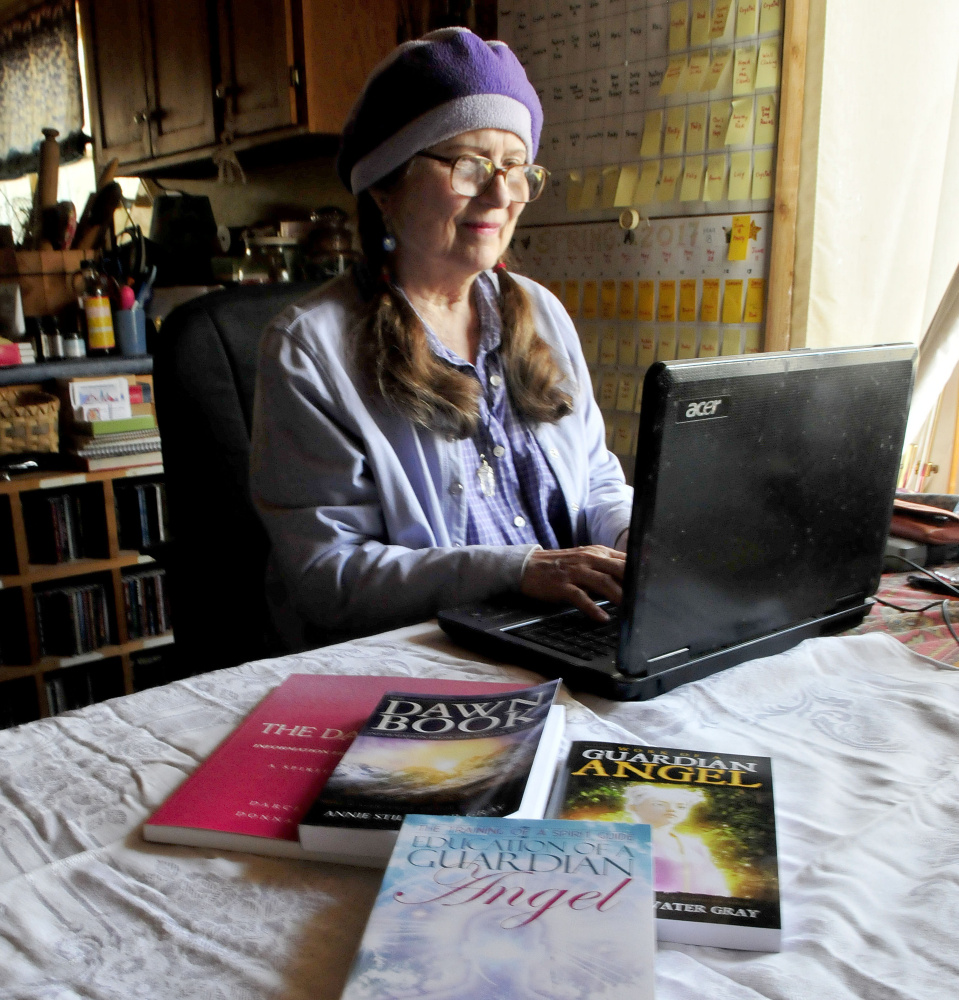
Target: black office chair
<point>204,376</point>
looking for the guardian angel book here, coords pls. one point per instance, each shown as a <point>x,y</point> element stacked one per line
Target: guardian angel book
<point>489,909</point>
<point>713,828</point>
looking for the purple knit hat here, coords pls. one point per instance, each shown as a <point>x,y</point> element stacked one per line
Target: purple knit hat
<point>429,90</point>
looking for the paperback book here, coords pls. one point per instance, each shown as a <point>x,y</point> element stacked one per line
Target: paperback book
<point>252,791</point>
<point>452,755</point>
<point>713,828</point>
<point>494,908</point>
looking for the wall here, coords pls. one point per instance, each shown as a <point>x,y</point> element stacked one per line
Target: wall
<point>283,191</point>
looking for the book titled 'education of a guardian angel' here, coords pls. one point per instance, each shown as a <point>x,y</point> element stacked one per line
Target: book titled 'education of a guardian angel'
<point>496,909</point>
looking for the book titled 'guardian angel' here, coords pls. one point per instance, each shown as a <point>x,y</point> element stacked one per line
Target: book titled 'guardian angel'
<point>454,755</point>
<point>490,909</point>
<point>714,834</point>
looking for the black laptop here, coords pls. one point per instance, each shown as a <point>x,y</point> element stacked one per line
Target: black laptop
<point>764,490</point>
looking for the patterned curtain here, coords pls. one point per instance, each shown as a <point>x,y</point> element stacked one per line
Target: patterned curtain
<point>39,87</point>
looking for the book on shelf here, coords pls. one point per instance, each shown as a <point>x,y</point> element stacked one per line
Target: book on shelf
<point>714,834</point>
<point>19,353</point>
<point>450,754</point>
<point>121,425</point>
<point>107,446</point>
<point>87,440</point>
<point>252,791</point>
<point>95,464</point>
<point>477,908</point>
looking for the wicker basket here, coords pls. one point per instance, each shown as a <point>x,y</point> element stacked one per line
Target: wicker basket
<point>29,420</point>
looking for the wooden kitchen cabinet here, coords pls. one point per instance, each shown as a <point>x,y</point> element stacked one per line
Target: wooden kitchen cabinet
<point>150,77</point>
<point>168,82</point>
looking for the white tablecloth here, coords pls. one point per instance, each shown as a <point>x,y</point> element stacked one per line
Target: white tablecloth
<point>865,740</point>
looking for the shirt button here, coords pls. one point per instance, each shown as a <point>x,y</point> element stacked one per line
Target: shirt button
<point>499,451</point>
<point>575,507</point>
<point>554,453</point>
<point>456,489</point>
<point>519,521</point>
<point>496,380</point>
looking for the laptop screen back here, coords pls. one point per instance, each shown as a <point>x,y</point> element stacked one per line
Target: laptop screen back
<point>764,490</point>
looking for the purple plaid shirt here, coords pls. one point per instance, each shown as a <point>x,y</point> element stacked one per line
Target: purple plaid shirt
<point>527,505</point>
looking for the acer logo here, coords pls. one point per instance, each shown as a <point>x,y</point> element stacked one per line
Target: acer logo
<point>704,409</point>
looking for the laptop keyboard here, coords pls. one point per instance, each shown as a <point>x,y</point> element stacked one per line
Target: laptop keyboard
<point>575,634</point>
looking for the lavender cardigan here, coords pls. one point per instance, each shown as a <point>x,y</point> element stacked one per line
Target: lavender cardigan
<point>364,510</point>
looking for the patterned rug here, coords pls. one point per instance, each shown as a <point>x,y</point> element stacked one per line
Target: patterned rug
<point>924,631</point>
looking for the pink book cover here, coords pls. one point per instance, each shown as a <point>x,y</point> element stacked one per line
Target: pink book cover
<point>251,792</point>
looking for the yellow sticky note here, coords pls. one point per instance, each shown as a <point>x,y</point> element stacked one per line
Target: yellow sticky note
<point>762,174</point>
<point>739,132</point>
<point>591,182</point>
<point>627,300</point>
<point>692,186</point>
<point>752,345</point>
<point>740,176</point>
<point>718,124</point>
<point>607,299</point>
<point>732,340</point>
<point>652,134</point>
<point>678,25</point>
<point>574,190</point>
<point>675,131</point>
<point>626,393</point>
<point>608,385</point>
<point>770,16</point>
<point>767,66</point>
<point>609,423</point>
<point>666,349</point>
<point>755,300</point>
<point>738,243</point>
<point>607,346</point>
<point>627,344</point>
<point>556,287</point>
<point>709,309</point>
<point>709,343</point>
<point>646,354</point>
<point>765,134</point>
<point>672,76</point>
<point>667,302</point>
<point>744,70</point>
<point>687,342</point>
<point>590,305</point>
<point>720,18</point>
<point>607,192</point>
<point>589,341</point>
<point>622,435</point>
<point>645,301</point>
<point>699,23</point>
<point>696,72</point>
<point>571,297</point>
<point>687,300</point>
<point>718,68</point>
<point>667,182</point>
<point>747,18</point>
<point>714,188</point>
<point>626,185</point>
<point>733,300</point>
<point>646,185</point>
<point>696,116</point>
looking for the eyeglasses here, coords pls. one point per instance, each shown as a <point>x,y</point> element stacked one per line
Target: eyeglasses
<point>471,175</point>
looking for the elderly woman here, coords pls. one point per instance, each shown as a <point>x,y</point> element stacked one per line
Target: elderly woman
<point>424,430</point>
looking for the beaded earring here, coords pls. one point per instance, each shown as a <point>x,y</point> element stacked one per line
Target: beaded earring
<point>389,243</point>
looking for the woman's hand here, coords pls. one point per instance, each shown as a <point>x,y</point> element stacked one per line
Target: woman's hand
<point>576,576</point>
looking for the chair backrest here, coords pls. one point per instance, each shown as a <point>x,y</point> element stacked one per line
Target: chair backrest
<point>204,374</point>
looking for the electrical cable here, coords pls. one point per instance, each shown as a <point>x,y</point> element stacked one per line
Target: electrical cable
<point>943,605</point>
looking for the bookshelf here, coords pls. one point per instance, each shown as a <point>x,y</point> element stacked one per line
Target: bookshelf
<point>70,564</point>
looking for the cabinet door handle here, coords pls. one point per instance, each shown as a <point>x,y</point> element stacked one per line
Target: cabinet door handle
<point>225,90</point>
<point>140,118</point>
